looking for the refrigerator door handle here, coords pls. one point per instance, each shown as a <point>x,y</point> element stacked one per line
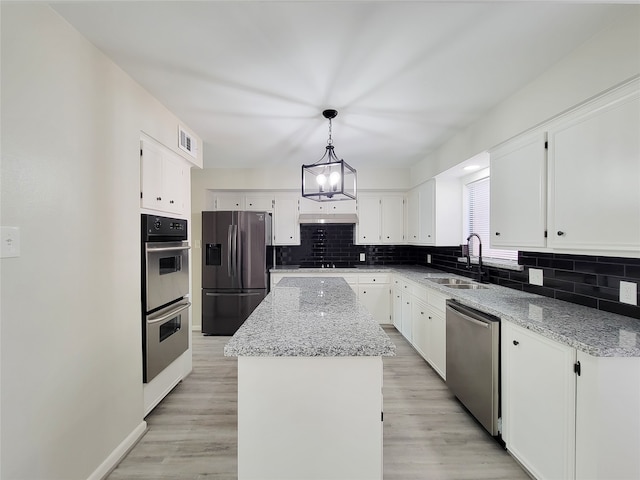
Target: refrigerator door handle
<point>234,252</point>
<point>229,254</point>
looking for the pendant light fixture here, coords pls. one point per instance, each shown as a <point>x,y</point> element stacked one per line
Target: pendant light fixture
<point>329,179</point>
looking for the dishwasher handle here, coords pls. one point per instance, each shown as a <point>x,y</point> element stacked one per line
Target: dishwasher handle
<point>471,315</point>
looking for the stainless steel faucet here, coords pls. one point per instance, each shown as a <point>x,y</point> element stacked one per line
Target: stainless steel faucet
<point>481,273</point>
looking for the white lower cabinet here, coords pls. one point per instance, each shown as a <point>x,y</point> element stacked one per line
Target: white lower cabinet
<point>397,306</point>
<point>608,418</point>
<point>376,299</point>
<point>419,315</point>
<point>420,327</point>
<point>538,402</point>
<point>406,317</point>
<point>437,341</point>
<point>560,423</point>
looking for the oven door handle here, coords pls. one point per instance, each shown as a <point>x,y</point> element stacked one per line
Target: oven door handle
<point>167,249</point>
<point>172,313</point>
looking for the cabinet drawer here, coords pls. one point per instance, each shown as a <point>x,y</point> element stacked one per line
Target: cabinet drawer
<point>374,278</point>
<point>437,300</point>
<point>418,291</point>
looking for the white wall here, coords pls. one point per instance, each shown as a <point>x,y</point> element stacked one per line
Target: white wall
<point>71,378</point>
<point>610,57</point>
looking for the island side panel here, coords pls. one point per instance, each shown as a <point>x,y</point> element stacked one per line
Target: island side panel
<point>309,418</point>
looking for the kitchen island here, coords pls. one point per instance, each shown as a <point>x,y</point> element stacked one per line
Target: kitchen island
<point>310,384</point>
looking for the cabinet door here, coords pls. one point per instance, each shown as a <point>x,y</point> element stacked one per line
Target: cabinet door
<point>405,327</point>
<point>376,299</point>
<point>419,327</point>
<point>594,175</point>
<point>392,212</point>
<point>258,203</point>
<point>286,230</point>
<point>151,186</point>
<point>343,206</point>
<point>368,219</point>
<point>538,402</point>
<point>437,341</point>
<point>608,417</point>
<point>230,201</point>
<point>518,193</point>
<point>397,308</point>
<point>413,224</point>
<point>173,172</point>
<point>426,213</point>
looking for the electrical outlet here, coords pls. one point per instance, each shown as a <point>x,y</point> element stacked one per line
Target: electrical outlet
<point>362,257</point>
<point>428,258</point>
<point>10,242</point>
<point>629,292</point>
<point>535,276</point>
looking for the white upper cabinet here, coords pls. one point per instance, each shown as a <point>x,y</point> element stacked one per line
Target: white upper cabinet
<point>230,201</point>
<point>342,206</point>
<point>518,192</point>
<point>434,213</point>
<point>286,230</point>
<point>258,202</point>
<point>594,176</point>
<point>380,219</point>
<point>164,179</point>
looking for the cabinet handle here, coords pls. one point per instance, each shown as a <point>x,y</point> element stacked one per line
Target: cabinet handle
<point>560,233</point>
<point>516,342</point>
<point>497,234</point>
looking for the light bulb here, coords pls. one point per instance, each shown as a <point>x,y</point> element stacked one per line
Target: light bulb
<point>334,178</point>
<point>321,179</point>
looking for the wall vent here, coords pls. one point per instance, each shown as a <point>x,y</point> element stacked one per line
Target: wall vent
<point>187,143</point>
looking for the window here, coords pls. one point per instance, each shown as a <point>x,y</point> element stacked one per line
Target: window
<point>477,221</point>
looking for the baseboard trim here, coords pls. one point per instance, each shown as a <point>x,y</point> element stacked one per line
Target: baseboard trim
<point>121,451</point>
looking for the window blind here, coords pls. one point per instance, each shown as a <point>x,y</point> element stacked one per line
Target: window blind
<point>478,221</point>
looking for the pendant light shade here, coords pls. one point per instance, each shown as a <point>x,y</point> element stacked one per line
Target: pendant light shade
<point>329,179</point>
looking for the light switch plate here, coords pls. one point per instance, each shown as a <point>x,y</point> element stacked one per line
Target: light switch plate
<point>428,258</point>
<point>10,242</point>
<point>535,276</point>
<point>629,292</point>
<point>362,257</point>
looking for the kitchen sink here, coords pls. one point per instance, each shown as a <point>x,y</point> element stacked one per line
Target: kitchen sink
<point>457,283</point>
<point>465,286</point>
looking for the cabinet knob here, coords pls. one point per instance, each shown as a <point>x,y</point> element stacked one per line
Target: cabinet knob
<point>516,342</point>
<point>560,233</point>
<point>497,234</point>
<point>374,279</point>
<point>364,291</point>
<point>421,313</point>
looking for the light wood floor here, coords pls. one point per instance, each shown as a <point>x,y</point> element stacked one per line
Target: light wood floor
<point>427,433</point>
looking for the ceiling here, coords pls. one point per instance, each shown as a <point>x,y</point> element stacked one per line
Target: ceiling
<point>253,77</point>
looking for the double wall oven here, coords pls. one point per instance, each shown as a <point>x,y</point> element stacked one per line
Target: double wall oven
<point>165,290</point>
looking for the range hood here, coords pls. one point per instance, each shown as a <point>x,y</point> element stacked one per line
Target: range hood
<point>327,218</point>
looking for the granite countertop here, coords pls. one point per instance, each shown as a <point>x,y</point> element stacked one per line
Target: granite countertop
<point>310,317</point>
<point>596,332</point>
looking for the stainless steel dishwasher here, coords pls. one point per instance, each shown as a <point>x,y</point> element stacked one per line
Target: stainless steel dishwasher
<point>473,362</point>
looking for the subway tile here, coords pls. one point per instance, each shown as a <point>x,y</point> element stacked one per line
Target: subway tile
<point>600,268</point>
<point>620,308</point>
<point>578,299</point>
<point>602,293</point>
<point>559,284</point>
<point>558,264</point>
<point>632,271</point>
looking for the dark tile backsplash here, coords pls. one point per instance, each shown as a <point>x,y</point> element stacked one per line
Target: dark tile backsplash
<point>593,281</point>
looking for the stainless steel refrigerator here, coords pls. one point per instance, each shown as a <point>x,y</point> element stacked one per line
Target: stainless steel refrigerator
<point>237,256</point>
